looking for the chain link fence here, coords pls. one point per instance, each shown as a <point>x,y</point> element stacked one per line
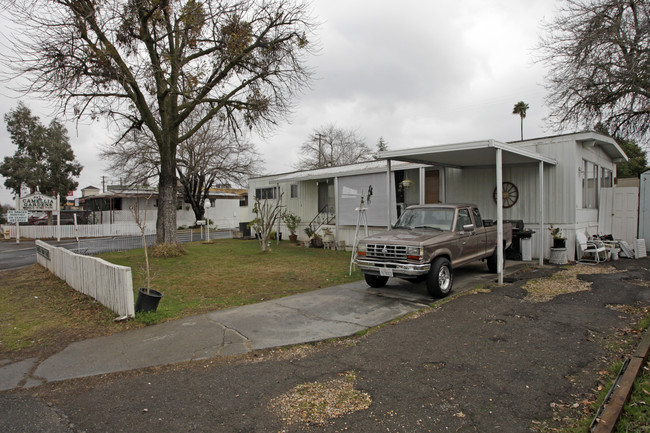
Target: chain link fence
<point>123,243</point>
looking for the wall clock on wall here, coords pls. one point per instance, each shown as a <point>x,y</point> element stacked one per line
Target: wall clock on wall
<point>510,194</point>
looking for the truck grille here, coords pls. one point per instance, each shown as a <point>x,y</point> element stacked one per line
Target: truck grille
<point>386,251</point>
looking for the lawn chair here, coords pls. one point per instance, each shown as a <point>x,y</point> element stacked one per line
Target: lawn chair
<point>589,251</point>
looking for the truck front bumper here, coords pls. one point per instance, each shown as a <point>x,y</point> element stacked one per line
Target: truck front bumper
<point>392,269</point>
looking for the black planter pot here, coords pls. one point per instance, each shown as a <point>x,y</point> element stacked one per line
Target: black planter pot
<point>147,301</point>
<point>559,243</point>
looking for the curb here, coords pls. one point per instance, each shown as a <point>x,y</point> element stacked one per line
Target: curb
<point>622,388</point>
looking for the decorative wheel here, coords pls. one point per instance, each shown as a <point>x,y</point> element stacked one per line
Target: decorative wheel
<point>510,194</point>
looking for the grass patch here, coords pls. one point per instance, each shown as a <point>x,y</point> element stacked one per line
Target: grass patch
<point>636,413</point>
<point>233,272</point>
<point>40,312</point>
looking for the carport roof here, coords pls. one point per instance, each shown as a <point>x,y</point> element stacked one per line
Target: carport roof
<point>470,154</point>
<point>342,170</point>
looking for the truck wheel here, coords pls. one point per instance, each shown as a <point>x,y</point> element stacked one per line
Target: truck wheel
<point>376,281</point>
<point>440,278</point>
<point>492,261</point>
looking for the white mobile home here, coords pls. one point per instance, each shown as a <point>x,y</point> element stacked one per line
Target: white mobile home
<point>566,181</point>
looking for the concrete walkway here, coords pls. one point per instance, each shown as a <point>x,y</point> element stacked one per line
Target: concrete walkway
<point>318,315</point>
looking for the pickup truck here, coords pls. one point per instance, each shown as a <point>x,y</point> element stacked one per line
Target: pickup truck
<point>427,243</point>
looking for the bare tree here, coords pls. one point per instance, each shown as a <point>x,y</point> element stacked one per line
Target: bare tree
<point>213,155</point>
<point>151,64</point>
<point>598,52</point>
<point>267,214</point>
<point>330,146</point>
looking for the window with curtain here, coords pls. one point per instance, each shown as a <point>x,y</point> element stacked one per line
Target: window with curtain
<point>589,185</point>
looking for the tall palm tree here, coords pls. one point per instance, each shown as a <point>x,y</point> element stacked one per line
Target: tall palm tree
<point>520,108</point>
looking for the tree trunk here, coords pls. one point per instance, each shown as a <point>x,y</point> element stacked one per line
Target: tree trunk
<point>166,221</point>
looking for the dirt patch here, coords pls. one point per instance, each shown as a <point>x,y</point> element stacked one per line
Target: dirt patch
<point>563,282</point>
<point>315,403</point>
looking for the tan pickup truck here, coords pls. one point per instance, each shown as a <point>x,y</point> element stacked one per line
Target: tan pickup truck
<point>427,243</point>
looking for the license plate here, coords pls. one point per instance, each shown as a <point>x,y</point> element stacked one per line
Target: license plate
<point>386,272</point>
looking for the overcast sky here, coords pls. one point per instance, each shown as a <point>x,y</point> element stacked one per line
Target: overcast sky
<point>414,72</point>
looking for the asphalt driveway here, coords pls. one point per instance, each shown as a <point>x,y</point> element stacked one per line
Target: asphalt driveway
<point>492,361</point>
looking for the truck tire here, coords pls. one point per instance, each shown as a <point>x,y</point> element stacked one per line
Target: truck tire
<point>376,281</point>
<point>492,261</point>
<point>440,278</point>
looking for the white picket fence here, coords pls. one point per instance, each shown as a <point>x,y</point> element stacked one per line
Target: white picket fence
<point>110,284</point>
<point>81,231</point>
<point>119,223</point>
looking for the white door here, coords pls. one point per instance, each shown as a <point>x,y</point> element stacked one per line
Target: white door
<point>626,213</point>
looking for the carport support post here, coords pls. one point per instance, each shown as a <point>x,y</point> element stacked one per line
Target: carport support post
<point>388,225</point>
<point>499,215</point>
<point>540,247</point>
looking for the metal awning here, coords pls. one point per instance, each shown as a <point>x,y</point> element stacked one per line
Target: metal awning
<point>339,171</point>
<point>471,154</point>
<point>475,154</point>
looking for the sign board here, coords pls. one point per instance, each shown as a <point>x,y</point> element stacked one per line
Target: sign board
<point>200,222</point>
<point>38,201</point>
<point>43,252</point>
<point>17,216</point>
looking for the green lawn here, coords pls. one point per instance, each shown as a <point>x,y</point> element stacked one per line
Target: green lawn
<point>234,272</point>
<point>40,314</point>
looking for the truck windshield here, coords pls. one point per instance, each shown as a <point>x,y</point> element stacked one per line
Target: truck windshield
<point>426,218</point>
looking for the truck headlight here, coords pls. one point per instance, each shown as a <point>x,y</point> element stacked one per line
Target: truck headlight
<point>361,249</point>
<point>414,253</point>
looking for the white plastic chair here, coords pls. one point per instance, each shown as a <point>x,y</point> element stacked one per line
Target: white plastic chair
<point>589,251</point>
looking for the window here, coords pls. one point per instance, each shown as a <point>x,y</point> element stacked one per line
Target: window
<point>606,179</point>
<point>266,193</point>
<point>243,201</point>
<point>477,217</point>
<point>294,191</point>
<point>463,219</point>
<point>589,185</point>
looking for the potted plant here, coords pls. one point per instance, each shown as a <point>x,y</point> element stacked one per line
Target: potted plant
<point>148,298</point>
<point>559,241</point>
<point>315,239</point>
<point>291,220</point>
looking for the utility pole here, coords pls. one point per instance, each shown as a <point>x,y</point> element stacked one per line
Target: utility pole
<point>319,149</point>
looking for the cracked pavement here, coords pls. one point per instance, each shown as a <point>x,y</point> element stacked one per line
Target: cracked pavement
<point>318,315</point>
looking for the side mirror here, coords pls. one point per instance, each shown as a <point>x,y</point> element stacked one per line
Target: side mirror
<point>468,228</point>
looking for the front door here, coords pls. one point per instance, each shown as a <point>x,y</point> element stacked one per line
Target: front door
<point>431,187</point>
<point>323,195</point>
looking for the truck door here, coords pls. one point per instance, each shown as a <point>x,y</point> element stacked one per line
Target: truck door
<point>481,233</point>
<point>467,239</point>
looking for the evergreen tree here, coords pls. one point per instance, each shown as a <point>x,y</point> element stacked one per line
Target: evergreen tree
<point>43,159</point>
